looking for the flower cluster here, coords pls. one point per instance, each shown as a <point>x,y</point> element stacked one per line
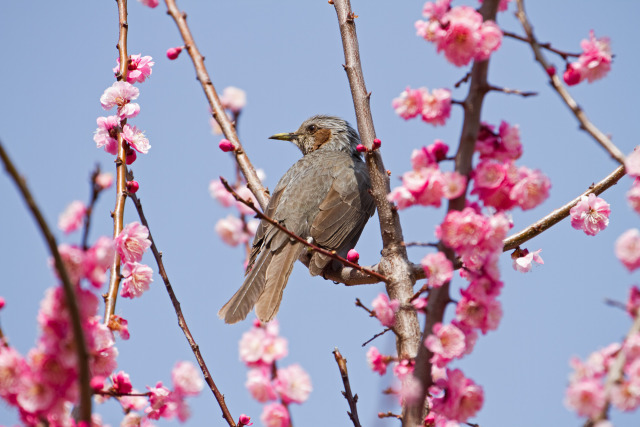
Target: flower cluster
<point>434,107</point>
<point>120,95</point>
<point>459,32</point>
<point>260,348</point>
<point>235,230</point>
<point>426,184</point>
<point>131,243</point>
<point>593,63</point>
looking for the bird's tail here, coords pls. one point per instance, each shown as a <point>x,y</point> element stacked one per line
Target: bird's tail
<point>263,286</point>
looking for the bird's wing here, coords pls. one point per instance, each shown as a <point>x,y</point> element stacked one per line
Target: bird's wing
<point>264,228</point>
<point>342,214</point>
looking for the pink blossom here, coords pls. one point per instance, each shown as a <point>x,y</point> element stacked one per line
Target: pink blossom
<point>233,99</point>
<point>377,362</point>
<point>401,197</point>
<point>530,189</point>
<point>120,95</point>
<point>293,384</point>
<point>262,345</point>
<point>13,368</point>
<point>590,214</point>
<point>420,303</point>
<point>226,145</point>
<point>385,310</point>
<point>627,249</point>
<point>633,195</point>
<point>136,139</point>
<point>462,399</point>
<point>246,194</point>
<point>404,368</point>
<point>106,134</point>
<point>187,379</point>
<point>120,325</point>
<point>586,397</point>
<point>259,384</point>
<point>429,156</point>
<point>454,184</point>
<point>132,186</point>
<point>505,145</point>
<point>353,256</point>
<point>244,420</point>
<point>139,68</point>
<point>35,397</point>
<point>73,261</point>
<point>121,383</point>
<point>436,10</point>
<point>174,52</point>
<point>572,75</point>
<point>218,192</point>
<point>524,262</point>
<point>447,342</point>
<point>409,104</point>
<point>633,302</point>
<point>231,231</point>
<point>150,3</point>
<point>2,303</point>
<point>132,241</point>
<point>478,312</point>
<point>632,163</point>
<point>137,278</point>
<point>275,415</point>
<point>437,268</point>
<point>161,402</point>
<point>595,60</point>
<point>98,260</point>
<point>73,217</point>
<point>436,107</point>
<point>104,180</point>
<point>625,395</point>
<point>133,403</point>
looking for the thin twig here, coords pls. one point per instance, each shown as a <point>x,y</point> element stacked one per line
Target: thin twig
<point>547,46</point>
<point>394,263</point>
<point>95,192</point>
<point>616,304</point>
<point>121,171</point>
<point>379,334</point>
<point>420,244</point>
<point>512,91</point>
<point>351,399</point>
<point>389,414</point>
<point>331,254</point>
<point>229,130</point>
<point>561,213</point>
<point>181,320</point>
<point>69,291</point>
<point>462,80</point>
<point>585,124</point>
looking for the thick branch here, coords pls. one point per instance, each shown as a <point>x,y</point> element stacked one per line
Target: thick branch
<point>342,365</point>
<point>439,297</point>
<point>69,291</point>
<point>585,124</point>
<point>330,254</point>
<point>249,172</point>
<point>394,263</point>
<point>181,320</point>
<point>561,213</point>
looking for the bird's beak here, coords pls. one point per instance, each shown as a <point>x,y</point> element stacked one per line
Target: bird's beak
<point>287,136</point>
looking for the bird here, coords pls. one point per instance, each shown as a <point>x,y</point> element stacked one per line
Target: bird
<point>325,198</point>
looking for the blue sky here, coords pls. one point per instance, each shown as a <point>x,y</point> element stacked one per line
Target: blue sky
<point>287,56</point>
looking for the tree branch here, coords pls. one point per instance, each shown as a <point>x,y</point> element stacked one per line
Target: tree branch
<point>181,320</point>
<point>229,130</point>
<point>585,124</point>
<point>68,287</point>
<point>351,399</point>
<point>547,46</point>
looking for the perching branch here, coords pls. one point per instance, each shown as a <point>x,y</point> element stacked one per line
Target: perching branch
<point>181,320</point>
<point>351,399</point>
<point>394,263</point>
<point>229,130</point>
<point>69,291</point>
<point>564,55</point>
<point>585,124</point>
<point>331,254</point>
<point>561,213</point>
<point>121,171</point>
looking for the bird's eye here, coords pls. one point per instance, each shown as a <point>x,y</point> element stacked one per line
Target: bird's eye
<point>312,128</point>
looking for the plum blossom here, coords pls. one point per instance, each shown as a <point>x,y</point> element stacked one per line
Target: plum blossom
<point>586,397</point>
<point>233,99</point>
<point>262,346</point>
<point>633,302</point>
<point>218,192</point>
<point>232,231</point>
<point>385,309</point>
<point>136,139</point>
<point>633,195</point>
<point>132,241</point>
<point>104,180</point>
<point>404,368</point>
<point>377,362</point>
<point>632,163</point>
<point>503,146</point>
<point>73,217</point>
<point>627,249</point>
<point>105,135</point>
<point>150,3</point>
<point>260,385</point>
<point>409,104</point>
<point>275,415</point>
<point>462,399</point>
<point>136,281</point>
<point>293,384</point>
<point>434,107</point>
<point>437,268</point>
<point>447,342</point>
<point>187,379</point>
<point>139,68</point>
<point>244,420</point>
<point>590,214</point>
<point>174,52</point>
<point>120,95</point>
<point>523,260</point>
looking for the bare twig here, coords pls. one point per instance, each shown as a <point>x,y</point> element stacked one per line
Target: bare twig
<point>379,334</point>
<point>559,214</point>
<point>616,304</point>
<point>68,287</point>
<point>181,320</point>
<point>439,298</point>
<point>121,171</point>
<point>95,192</point>
<point>420,244</point>
<point>394,263</point>
<point>585,124</point>
<point>351,399</point>
<point>512,91</point>
<point>331,254</point>
<point>547,46</point>
<point>215,105</point>
<point>389,414</point>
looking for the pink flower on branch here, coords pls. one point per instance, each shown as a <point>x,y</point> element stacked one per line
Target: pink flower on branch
<point>293,384</point>
<point>260,385</point>
<point>139,68</point>
<point>232,230</point>
<point>174,52</point>
<point>437,268</point>
<point>627,249</point>
<point>105,135</point>
<point>233,99</point>
<point>73,217</point>
<point>523,261</point>
<point>409,104</point>
<point>136,281</point>
<point>150,3</point>
<point>435,107</point>
<point>136,139</point>
<point>590,214</point>
<point>187,379</point>
<point>377,362</point>
<point>120,95</point>
<point>447,342</point>
<point>385,309</point>
<point>275,415</point>
<point>462,397</point>
<point>132,241</point>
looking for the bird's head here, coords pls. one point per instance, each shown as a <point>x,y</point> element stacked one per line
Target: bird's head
<point>323,133</point>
